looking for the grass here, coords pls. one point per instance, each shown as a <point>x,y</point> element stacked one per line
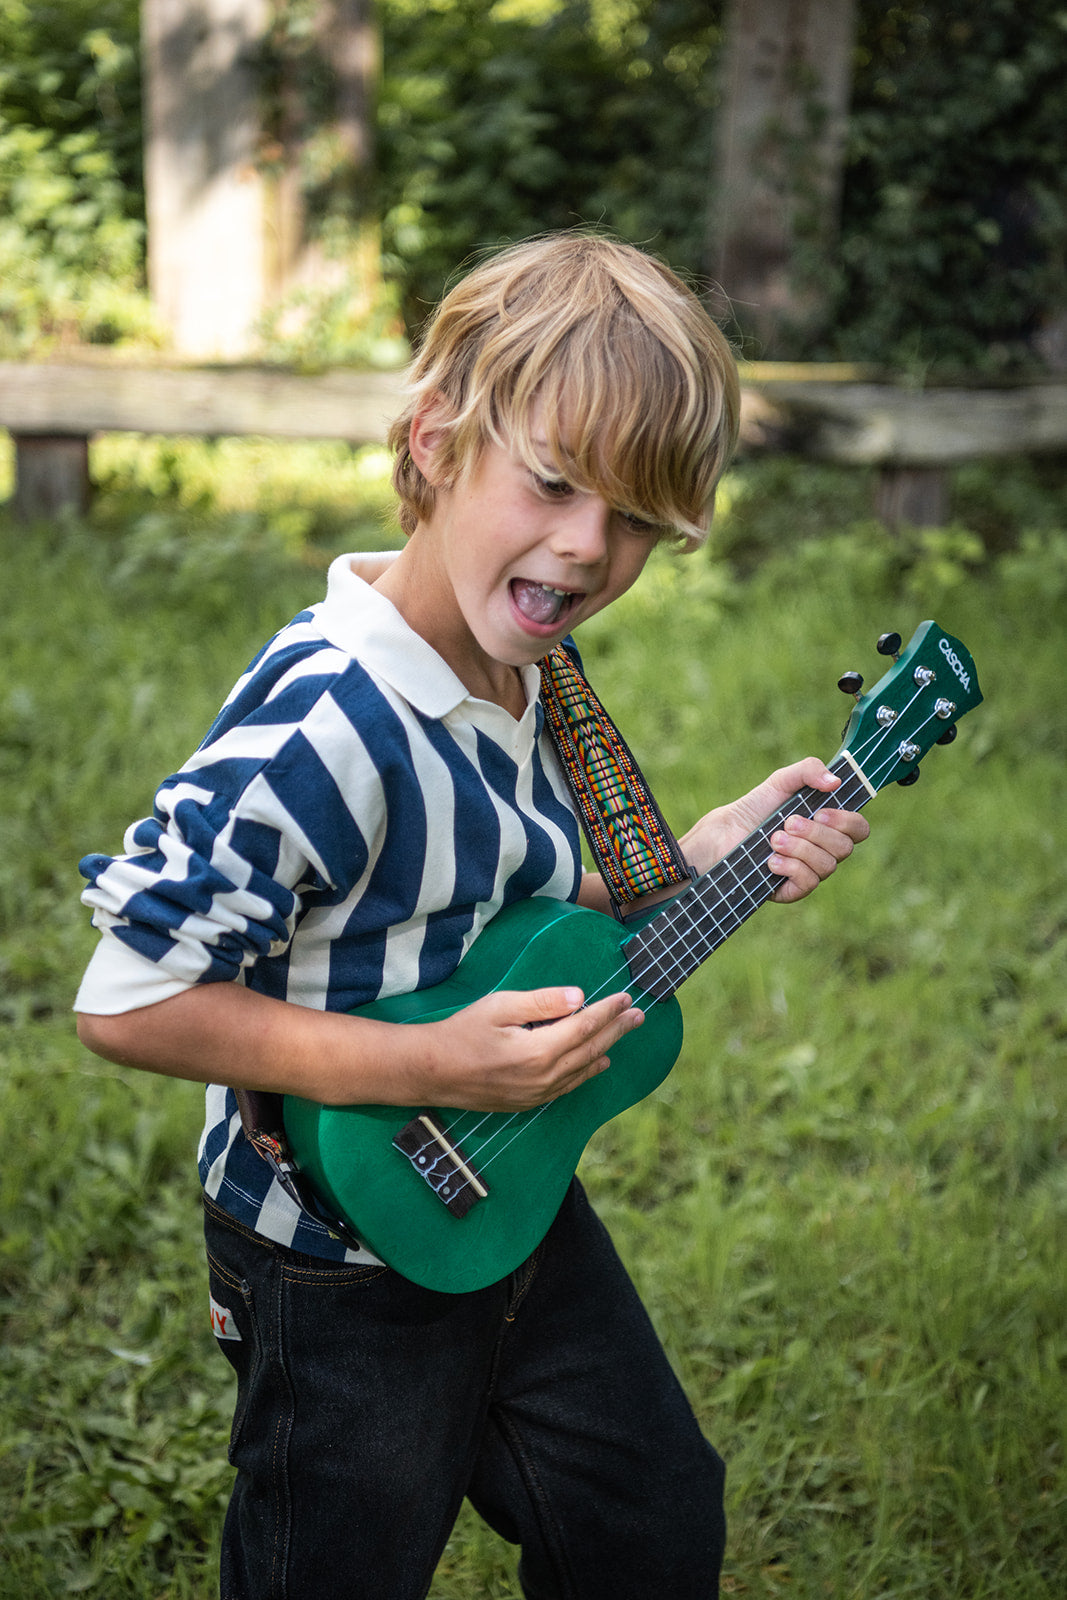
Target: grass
<point>847,1206</point>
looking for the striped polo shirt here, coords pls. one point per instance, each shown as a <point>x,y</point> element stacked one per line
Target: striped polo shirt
<point>347,828</point>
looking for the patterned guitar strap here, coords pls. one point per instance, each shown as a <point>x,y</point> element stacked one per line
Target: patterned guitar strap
<point>633,848</point>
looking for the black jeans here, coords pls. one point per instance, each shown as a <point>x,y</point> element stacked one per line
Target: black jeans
<point>367,1408</point>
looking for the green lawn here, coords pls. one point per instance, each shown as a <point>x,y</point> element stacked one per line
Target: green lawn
<point>846,1207</point>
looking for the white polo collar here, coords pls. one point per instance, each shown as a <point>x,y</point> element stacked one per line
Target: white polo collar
<point>368,627</point>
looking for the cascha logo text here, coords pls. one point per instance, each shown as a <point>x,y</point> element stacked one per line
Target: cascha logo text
<point>955,663</point>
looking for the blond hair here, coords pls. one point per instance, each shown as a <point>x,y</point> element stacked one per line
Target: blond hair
<point>633,387</point>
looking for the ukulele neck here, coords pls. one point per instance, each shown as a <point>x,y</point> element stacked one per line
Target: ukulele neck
<point>676,941</point>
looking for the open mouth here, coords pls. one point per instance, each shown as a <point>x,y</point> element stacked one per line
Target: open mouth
<point>541,604</point>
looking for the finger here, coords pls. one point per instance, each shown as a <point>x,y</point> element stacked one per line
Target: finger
<point>851,823</point>
<point>817,775</point>
<point>527,1008</point>
<point>797,881</point>
<point>587,1040</point>
<point>569,1024</point>
<point>810,773</point>
<point>804,864</point>
<point>799,835</point>
<point>594,1029</point>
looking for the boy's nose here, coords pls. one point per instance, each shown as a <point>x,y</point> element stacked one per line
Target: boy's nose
<point>582,534</point>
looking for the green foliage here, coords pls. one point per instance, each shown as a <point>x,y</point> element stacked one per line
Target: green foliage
<point>73,66</point>
<point>312,329</point>
<point>503,118</point>
<point>71,225</point>
<point>846,1206</point>
<point>498,121</point>
<point>954,218</point>
<point>71,260</point>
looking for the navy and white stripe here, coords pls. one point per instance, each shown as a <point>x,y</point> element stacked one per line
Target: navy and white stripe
<point>348,826</point>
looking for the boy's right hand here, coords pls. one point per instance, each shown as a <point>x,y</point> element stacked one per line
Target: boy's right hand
<point>506,1052</point>
<point>516,1049</point>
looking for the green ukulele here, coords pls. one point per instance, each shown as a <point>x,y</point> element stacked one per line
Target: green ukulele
<point>456,1199</point>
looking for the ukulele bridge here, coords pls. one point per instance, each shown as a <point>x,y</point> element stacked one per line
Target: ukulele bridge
<point>441,1163</point>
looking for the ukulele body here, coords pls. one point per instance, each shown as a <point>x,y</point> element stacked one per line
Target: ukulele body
<point>524,1161</point>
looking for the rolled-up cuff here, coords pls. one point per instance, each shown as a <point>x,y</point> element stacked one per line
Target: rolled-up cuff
<point>118,980</point>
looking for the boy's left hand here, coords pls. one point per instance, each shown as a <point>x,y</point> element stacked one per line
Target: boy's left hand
<point>806,850</point>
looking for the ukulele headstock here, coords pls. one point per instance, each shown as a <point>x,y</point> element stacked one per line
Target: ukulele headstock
<point>916,704</point>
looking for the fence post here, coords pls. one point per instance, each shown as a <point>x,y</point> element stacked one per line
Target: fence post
<point>51,475</point>
<point>913,497</point>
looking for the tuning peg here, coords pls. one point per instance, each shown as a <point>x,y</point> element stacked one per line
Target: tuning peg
<point>909,778</point>
<point>850,683</point>
<point>948,735</point>
<point>889,645</point>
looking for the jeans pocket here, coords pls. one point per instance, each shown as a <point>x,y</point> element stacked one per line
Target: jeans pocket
<point>237,1334</point>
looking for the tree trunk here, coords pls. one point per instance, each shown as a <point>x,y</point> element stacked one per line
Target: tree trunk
<point>787,74</point>
<point>326,87</point>
<point>204,192</point>
<point>243,120</point>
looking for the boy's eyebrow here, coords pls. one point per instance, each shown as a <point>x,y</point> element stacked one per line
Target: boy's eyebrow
<point>546,460</point>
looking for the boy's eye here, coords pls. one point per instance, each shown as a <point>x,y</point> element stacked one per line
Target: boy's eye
<point>555,488</point>
<point>638,524</point>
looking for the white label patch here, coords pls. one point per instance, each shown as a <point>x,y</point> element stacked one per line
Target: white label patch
<point>222,1324</point>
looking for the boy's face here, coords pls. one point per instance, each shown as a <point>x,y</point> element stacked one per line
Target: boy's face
<point>520,558</point>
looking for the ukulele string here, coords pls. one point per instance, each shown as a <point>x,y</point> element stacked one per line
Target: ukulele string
<point>757,869</point>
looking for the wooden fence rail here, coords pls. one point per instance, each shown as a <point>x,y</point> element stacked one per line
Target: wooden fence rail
<point>833,414</point>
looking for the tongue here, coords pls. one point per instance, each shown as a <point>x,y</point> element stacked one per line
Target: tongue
<point>537,604</point>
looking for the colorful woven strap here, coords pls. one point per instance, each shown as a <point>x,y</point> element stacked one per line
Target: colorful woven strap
<point>632,846</point>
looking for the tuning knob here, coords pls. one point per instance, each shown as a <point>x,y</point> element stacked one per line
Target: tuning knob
<point>850,683</point>
<point>909,778</point>
<point>948,735</point>
<point>889,645</point>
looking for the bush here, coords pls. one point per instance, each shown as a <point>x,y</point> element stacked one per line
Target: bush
<point>501,121</point>
<point>71,202</point>
<point>954,216</point>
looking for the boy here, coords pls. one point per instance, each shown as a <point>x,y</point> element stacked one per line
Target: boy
<point>377,786</point>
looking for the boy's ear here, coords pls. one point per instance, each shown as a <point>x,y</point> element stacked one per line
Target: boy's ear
<point>427,438</point>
